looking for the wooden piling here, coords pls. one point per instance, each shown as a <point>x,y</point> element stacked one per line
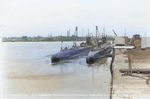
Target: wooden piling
<point>129,63</point>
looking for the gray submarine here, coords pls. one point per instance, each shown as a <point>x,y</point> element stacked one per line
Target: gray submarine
<point>74,51</point>
<point>100,50</point>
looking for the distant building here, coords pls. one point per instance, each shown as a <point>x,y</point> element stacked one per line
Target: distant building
<point>24,38</point>
<point>145,42</point>
<point>68,33</point>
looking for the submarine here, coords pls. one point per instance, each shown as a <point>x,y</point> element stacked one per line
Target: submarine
<point>74,51</point>
<point>98,53</point>
<point>100,50</point>
<point>69,53</point>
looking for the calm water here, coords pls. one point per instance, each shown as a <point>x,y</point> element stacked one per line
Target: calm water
<point>26,71</point>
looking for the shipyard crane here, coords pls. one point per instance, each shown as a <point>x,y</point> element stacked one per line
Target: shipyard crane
<point>97,32</point>
<point>76,31</point>
<point>114,32</point>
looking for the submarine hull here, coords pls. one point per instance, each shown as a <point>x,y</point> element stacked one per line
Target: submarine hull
<point>93,56</point>
<point>70,53</point>
<point>54,59</point>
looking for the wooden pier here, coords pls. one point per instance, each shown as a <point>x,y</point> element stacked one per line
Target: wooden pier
<point>135,70</point>
<point>131,74</point>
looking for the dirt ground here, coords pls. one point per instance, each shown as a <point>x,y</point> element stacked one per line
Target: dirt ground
<point>135,86</point>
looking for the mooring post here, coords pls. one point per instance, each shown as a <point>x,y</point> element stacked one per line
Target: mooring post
<point>129,62</point>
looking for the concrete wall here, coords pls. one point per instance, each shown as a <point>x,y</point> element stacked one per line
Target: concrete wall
<point>119,40</point>
<point>145,42</point>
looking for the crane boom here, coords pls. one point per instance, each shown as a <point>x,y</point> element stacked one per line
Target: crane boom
<point>114,32</point>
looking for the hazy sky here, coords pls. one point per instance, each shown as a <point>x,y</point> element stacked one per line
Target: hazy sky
<point>43,17</point>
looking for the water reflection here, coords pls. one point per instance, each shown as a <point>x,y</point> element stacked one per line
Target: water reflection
<point>35,73</point>
<point>64,61</point>
<point>99,62</point>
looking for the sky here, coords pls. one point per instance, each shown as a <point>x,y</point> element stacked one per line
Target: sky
<point>44,17</point>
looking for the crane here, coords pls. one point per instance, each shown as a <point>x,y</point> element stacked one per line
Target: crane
<point>114,32</point>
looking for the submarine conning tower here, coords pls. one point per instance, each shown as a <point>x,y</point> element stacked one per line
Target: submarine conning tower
<point>103,39</point>
<point>88,40</point>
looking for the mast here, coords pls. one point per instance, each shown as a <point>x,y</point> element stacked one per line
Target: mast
<point>125,33</point>
<point>103,36</point>
<point>96,35</point>
<point>96,31</point>
<point>76,31</point>
<point>88,32</point>
<point>82,32</point>
<point>103,31</point>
